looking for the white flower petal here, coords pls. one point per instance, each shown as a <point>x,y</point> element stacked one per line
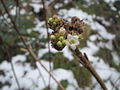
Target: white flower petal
<point>68,43</point>
<point>76,36</point>
<point>74,39</point>
<point>69,36</point>
<point>73,46</point>
<point>77,43</point>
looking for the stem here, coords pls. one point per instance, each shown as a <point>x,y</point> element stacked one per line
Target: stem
<point>85,62</point>
<point>37,61</point>
<point>43,2</point>
<point>42,77</point>
<point>15,75</point>
<point>12,66</point>
<point>95,74</point>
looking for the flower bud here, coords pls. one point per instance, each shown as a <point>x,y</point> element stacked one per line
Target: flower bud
<point>80,36</point>
<point>52,37</point>
<point>54,16</point>
<point>61,38</point>
<point>59,43</point>
<point>64,42</point>
<point>50,20</point>
<point>62,31</point>
<point>57,20</point>
<point>54,23</point>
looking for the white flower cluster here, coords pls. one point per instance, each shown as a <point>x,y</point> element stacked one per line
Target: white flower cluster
<point>62,38</point>
<point>72,41</point>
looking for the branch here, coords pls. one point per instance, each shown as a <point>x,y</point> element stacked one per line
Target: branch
<point>43,2</point>
<point>29,50</point>
<point>12,66</point>
<point>85,62</point>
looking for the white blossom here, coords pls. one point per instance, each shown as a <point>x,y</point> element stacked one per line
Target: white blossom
<point>72,41</point>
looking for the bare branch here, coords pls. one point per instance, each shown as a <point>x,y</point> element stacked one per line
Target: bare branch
<point>12,66</point>
<point>43,2</point>
<point>29,50</point>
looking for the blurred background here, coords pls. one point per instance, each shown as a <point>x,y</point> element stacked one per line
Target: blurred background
<point>101,43</point>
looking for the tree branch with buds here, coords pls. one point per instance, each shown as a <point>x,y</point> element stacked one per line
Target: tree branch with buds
<point>69,34</point>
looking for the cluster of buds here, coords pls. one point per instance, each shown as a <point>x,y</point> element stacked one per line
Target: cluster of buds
<point>53,20</point>
<point>65,33</point>
<point>59,39</point>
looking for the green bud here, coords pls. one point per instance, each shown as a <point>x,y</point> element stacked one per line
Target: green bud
<point>61,38</point>
<point>50,20</point>
<point>64,42</point>
<point>59,43</point>
<point>57,20</point>
<point>80,36</point>
<point>52,37</point>
<point>54,23</point>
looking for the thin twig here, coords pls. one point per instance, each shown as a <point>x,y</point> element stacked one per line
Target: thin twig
<point>17,5</point>
<point>24,36</point>
<point>12,66</point>
<point>39,69</point>
<point>45,15</point>
<point>115,83</point>
<point>29,50</point>
<point>85,61</point>
<point>37,60</point>
<point>42,77</point>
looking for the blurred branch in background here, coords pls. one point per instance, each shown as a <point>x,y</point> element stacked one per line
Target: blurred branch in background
<point>11,63</point>
<point>48,38</point>
<point>12,66</point>
<point>29,49</point>
<point>101,43</point>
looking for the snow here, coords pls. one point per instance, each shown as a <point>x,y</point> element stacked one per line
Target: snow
<point>36,7</point>
<point>67,53</point>
<point>32,75</point>
<point>110,1</point>
<point>67,1</point>
<point>58,5</point>
<point>33,81</point>
<point>91,49</point>
<point>13,11</point>
<point>102,31</point>
<point>74,12</point>
<point>66,75</point>
<point>93,37</point>
<point>21,58</point>
<point>103,20</point>
<point>116,57</point>
<point>88,19</point>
